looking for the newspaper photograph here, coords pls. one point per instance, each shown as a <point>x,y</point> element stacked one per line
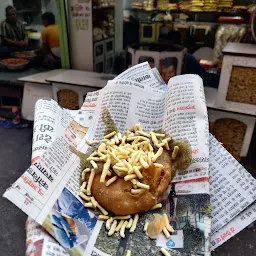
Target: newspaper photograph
<point>49,190</point>
<point>39,242</point>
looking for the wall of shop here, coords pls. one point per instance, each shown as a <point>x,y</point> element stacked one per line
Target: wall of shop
<point>47,6</point>
<point>3,4</point>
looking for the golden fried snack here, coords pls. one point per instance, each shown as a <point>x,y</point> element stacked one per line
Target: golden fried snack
<point>127,174</point>
<point>118,199</point>
<point>25,54</point>
<point>14,61</point>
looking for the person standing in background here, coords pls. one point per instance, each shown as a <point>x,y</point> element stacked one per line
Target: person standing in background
<point>50,50</point>
<point>13,37</point>
<point>190,63</point>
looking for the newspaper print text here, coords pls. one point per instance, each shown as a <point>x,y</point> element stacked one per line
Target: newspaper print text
<point>31,184</point>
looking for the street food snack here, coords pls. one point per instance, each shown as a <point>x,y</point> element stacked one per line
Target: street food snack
<point>126,174</point>
<point>14,61</point>
<point>26,54</point>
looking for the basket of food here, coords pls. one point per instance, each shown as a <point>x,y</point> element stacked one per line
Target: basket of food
<point>14,63</point>
<point>29,55</point>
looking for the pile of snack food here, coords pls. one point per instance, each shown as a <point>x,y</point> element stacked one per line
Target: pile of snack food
<point>211,5</point>
<point>226,4</point>
<point>132,170</point>
<point>126,174</point>
<point>103,3</point>
<point>231,133</point>
<point>148,5</point>
<point>191,5</point>
<point>14,61</point>
<point>68,98</point>
<point>196,5</point>
<point>184,5</point>
<point>199,5</point>
<point>165,5</point>
<point>137,5</point>
<point>25,54</point>
<point>224,34</point>
<point>242,85</point>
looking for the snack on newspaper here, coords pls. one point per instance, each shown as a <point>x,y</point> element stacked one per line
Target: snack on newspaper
<point>126,174</point>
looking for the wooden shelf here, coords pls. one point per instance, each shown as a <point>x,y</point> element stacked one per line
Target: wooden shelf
<point>103,8</point>
<point>104,39</point>
<point>185,11</point>
<point>182,22</point>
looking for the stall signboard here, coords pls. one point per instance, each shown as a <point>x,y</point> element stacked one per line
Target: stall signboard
<point>80,40</point>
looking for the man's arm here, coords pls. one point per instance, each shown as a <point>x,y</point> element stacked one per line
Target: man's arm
<point>13,42</point>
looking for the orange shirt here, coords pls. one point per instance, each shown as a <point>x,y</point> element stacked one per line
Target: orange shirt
<point>50,36</point>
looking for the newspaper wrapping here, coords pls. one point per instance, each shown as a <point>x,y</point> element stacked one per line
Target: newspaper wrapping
<point>43,108</point>
<point>50,121</point>
<point>182,104</point>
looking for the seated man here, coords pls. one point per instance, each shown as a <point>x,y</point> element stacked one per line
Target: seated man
<point>50,50</point>
<point>12,33</point>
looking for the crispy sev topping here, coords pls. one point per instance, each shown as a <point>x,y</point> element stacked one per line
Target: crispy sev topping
<point>108,223</point>
<point>123,157</point>
<point>126,217</point>
<point>103,217</point>
<point>158,153</point>
<point>83,191</point>
<point>142,185</point>
<point>157,206</point>
<point>166,233</point>
<point>134,223</point>
<point>128,253</point>
<point>110,181</point>
<point>85,197</point>
<point>88,205</point>
<point>123,229</point>
<point>164,252</point>
<point>94,202</point>
<point>94,154</point>
<point>137,191</point>
<point>94,165</point>
<point>97,205</point>
<point>118,227</point>
<point>145,227</point>
<point>158,165</point>
<point>83,185</point>
<point>167,224</point>
<point>130,177</point>
<point>90,143</point>
<point>92,174</point>
<point>110,135</point>
<point>113,228</point>
<point>175,152</point>
<point>137,172</point>
<point>129,223</point>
